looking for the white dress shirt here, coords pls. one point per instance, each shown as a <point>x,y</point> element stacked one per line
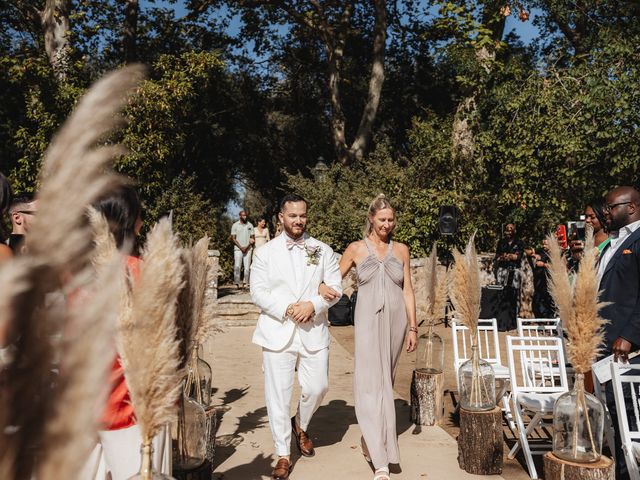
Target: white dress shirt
<point>617,239</point>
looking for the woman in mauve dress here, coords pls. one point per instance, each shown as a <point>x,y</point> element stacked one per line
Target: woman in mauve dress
<point>385,307</point>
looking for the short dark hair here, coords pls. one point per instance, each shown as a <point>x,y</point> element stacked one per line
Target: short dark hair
<point>20,198</point>
<point>121,208</point>
<point>291,198</point>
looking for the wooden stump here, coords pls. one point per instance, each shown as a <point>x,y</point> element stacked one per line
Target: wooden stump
<point>558,469</point>
<point>480,442</point>
<point>426,397</point>
<point>203,472</point>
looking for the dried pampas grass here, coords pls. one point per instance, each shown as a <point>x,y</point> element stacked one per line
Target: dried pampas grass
<point>194,308</point>
<point>148,340</point>
<point>58,421</point>
<point>87,359</point>
<point>436,289</point>
<point>465,288</point>
<point>578,306</point>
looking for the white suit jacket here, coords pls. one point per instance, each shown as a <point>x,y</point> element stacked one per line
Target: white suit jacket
<point>273,289</point>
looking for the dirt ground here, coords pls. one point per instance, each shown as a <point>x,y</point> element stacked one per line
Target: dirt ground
<point>513,469</point>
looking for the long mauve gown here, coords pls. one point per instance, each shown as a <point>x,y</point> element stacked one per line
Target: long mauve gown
<point>380,326</point>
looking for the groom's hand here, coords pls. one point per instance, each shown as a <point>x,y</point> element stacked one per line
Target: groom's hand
<point>303,312</point>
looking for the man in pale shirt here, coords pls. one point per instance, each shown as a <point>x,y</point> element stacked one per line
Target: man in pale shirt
<point>619,274</point>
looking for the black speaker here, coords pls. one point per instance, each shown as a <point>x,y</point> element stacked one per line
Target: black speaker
<point>448,220</point>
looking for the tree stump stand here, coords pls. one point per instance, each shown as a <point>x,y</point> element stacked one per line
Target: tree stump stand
<point>426,397</point>
<point>203,472</point>
<point>480,444</point>
<point>558,469</point>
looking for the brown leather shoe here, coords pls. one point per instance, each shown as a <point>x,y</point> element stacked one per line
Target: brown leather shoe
<point>304,443</point>
<point>281,470</point>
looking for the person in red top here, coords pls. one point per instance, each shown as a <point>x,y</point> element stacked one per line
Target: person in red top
<point>120,438</point>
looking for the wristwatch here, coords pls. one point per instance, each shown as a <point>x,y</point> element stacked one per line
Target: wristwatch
<point>289,310</point>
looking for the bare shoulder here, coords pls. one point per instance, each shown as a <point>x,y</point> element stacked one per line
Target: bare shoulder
<point>401,248</point>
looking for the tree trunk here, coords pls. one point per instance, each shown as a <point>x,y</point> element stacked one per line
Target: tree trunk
<point>337,114</point>
<point>130,31</point>
<point>480,442</point>
<point>361,143</point>
<point>426,397</point>
<point>557,469</point>
<point>203,472</point>
<point>56,26</point>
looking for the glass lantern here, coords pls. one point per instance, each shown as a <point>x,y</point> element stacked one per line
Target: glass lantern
<point>578,423</point>
<point>477,383</point>
<point>189,435</point>
<point>199,378</point>
<point>430,353</point>
<point>146,466</point>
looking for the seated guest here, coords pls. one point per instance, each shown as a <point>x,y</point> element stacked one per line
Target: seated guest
<point>22,212</point>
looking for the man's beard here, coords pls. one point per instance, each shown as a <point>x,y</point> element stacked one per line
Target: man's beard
<point>291,234</point>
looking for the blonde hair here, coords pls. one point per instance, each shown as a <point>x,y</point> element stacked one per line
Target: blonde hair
<point>381,202</point>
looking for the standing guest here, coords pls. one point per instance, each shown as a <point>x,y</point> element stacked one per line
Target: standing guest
<point>619,274</point>
<point>508,257</point>
<point>120,437</point>
<point>261,233</point>
<point>5,200</point>
<point>293,327</point>
<point>242,237</point>
<point>386,303</point>
<point>595,216</point>
<point>23,210</point>
<point>543,306</point>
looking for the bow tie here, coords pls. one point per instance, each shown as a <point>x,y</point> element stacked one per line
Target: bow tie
<point>295,243</point>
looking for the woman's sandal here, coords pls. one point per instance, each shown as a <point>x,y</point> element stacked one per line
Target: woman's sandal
<point>382,474</point>
<point>364,450</point>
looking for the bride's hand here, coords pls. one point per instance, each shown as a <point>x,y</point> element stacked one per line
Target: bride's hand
<point>328,293</point>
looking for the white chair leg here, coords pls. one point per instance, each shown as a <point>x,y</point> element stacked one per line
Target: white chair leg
<point>532,425</point>
<point>524,442</point>
<point>632,465</point>
<point>506,399</point>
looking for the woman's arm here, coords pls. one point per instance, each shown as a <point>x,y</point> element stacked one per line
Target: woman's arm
<point>409,299</point>
<point>346,263</point>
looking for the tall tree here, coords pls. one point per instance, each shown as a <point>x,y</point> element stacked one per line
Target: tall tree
<point>130,30</point>
<point>331,24</point>
<point>56,29</point>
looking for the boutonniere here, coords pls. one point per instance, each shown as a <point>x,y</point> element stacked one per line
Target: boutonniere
<point>626,251</point>
<point>313,253</point>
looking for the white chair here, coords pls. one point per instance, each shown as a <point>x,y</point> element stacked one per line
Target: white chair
<point>489,350</point>
<point>628,375</point>
<point>544,328</point>
<point>539,327</point>
<point>535,386</point>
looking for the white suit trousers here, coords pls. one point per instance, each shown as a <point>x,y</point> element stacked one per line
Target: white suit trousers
<point>279,371</point>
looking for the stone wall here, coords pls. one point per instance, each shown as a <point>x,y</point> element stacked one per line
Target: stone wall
<point>214,272</point>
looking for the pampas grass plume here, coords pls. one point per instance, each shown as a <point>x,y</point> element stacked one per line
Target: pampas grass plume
<point>149,342</point>
<point>465,287</point>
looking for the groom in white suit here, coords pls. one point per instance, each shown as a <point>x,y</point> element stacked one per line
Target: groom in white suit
<point>293,327</point>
